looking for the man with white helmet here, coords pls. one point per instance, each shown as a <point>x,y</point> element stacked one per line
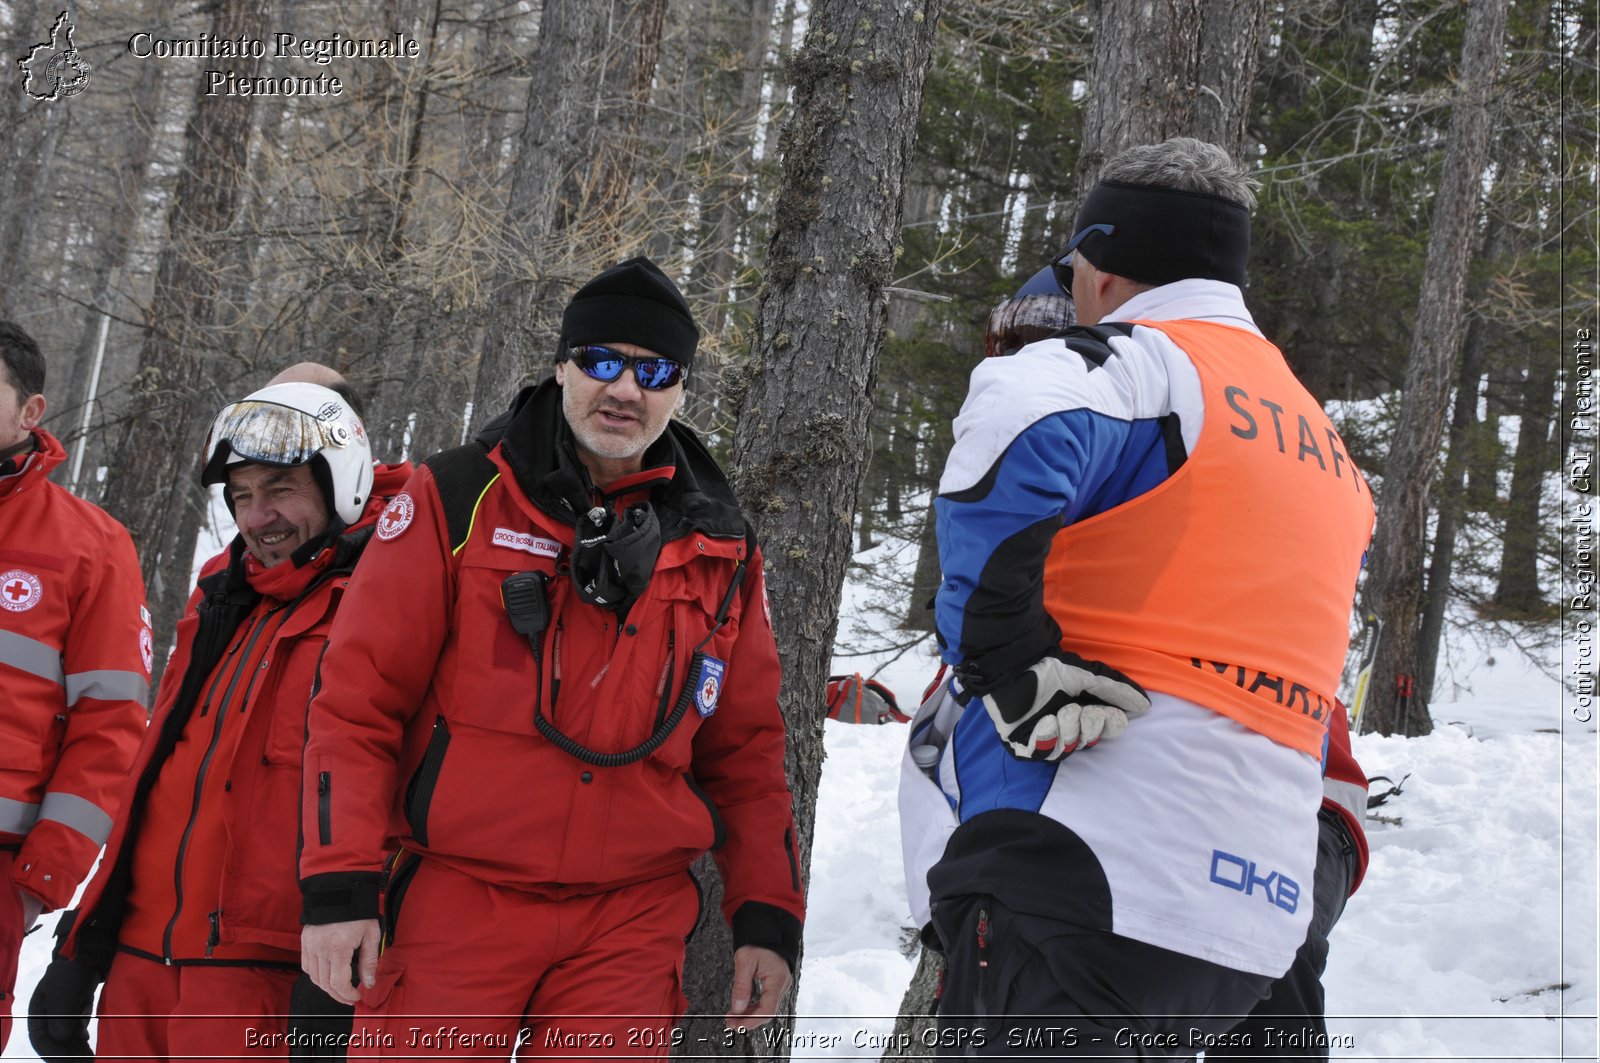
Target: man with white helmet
<point>192,919</point>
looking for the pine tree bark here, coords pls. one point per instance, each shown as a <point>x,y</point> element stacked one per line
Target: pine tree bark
<point>1441,565</point>
<point>800,443</point>
<point>152,481</point>
<point>1167,68</point>
<point>1465,437</point>
<point>1393,588</point>
<point>1517,590</point>
<point>520,338</point>
<point>1230,50</point>
<point>910,1041</point>
<point>115,242</point>
<point>576,162</point>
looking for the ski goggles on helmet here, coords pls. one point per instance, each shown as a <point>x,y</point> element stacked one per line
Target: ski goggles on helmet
<point>605,364</point>
<point>271,434</point>
<point>1062,266</point>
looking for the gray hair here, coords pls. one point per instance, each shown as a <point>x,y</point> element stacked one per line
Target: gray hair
<point>1186,164</point>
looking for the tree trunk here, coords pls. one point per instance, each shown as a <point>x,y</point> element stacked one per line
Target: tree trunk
<point>801,438</point>
<point>910,1040</point>
<point>22,127</point>
<point>1230,48</point>
<point>152,481</point>
<point>924,579</point>
<point>1394,583</point>
<point>1517,593</point>
<point>1451,507</point>
<point>1154,62</point>
<point>1466,439</point>
<point>521,333</point>
<point>29,195</point>
<point>116,240</point>
<point>586,105</point>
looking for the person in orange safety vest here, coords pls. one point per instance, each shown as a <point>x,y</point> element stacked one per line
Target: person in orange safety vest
<point>1149,536</point>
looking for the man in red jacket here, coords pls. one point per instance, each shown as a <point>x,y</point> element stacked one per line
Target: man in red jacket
<point>580,701</point>
<point>193,918</point>
<point>75,652</point>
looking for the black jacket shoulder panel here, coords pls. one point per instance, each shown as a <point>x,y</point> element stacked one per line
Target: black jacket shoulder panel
<point>460,474</point>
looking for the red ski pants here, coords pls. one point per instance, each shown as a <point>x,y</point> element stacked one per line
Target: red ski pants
<point>10,944</point>
<point>479,971</point>
<point>203,1012</point>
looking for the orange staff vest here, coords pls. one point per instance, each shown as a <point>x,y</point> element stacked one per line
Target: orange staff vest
<point>1231,583</point>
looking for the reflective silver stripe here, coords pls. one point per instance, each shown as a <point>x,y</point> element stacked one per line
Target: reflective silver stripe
<point>107,686</point>
<point>85,817</point>
<point>1349,796</point>
<point>17,817</point>
<point>31,656</point>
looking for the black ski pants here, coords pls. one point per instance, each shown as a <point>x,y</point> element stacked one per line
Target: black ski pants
<point>1026,986</point>
<point>1289,1023</point>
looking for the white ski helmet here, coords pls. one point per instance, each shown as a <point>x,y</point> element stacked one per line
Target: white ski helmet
<point>286,425</point>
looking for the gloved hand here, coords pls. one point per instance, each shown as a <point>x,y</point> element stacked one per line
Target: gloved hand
<point>1063,703</point>
<point>319,1026</point>
<point>58,1013</point>
<point>853,699</point>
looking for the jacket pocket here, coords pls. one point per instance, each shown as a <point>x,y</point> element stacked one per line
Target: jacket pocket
<point>296,671</point>
<point>493,678</point>
<point>719,833</point>
<point>387,979</point>
<point>419,792</point>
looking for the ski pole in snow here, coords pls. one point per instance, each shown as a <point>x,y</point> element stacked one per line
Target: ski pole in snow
<point>1369,653</point>
<point>1405,686</point>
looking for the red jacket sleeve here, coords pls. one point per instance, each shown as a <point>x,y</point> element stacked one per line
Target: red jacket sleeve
<point>380,660</point>
<point>739,763</point>
<point>107,678</point>
<point>1344,787</point>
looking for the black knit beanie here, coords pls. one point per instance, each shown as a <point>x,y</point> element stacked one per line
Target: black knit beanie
<point>632,302</point>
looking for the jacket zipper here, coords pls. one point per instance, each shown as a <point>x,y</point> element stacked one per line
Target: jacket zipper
<point>980,992</point>
<point>794,862</point>
<point>420,795</point>
<point>555,668</point>
<point>664,690</point>
<point>205,766</point>
<point>325,807</point>
<point>216,931</point>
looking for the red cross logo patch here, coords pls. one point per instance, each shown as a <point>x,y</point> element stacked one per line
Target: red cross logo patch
<point>397,518</point>
<point>19,590</point>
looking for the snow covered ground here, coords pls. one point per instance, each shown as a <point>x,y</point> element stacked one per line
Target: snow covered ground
<point>1473,937</point>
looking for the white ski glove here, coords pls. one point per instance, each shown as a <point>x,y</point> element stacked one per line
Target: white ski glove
<point>1061,704</point>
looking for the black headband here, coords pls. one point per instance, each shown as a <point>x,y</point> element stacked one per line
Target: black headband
<point>1161,235</point>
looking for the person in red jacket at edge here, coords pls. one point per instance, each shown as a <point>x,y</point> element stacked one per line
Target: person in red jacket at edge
<point>192,920</point>
<point>75,650</point>
<point>1289,1022</point>
<point>581,700</point>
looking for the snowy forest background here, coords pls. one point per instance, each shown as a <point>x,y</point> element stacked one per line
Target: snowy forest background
<point>844,188</point>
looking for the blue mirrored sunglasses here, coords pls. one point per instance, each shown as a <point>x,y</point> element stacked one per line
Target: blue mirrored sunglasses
<point>1062,266</point>
<point>605,364</point>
